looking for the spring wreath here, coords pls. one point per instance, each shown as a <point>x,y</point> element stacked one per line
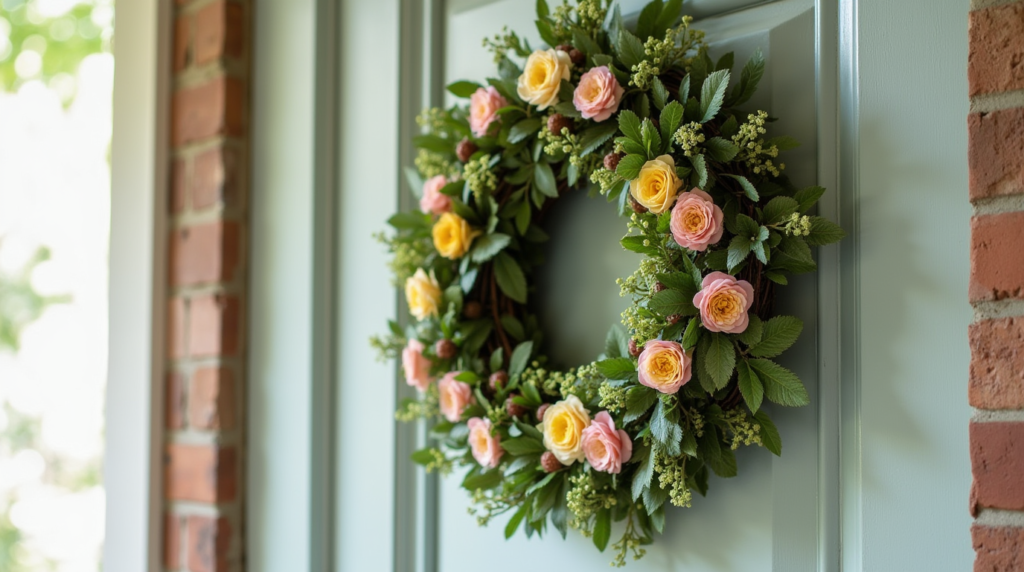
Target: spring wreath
<point>648,120</point>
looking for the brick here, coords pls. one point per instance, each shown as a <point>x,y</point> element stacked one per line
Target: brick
<point>176,328</point>
<point>220,29</point>
<point>212,403</point>
<point>997,364</point>
<point>997,263</point>
<point>217,107</point>
<point>172,542</point>
<point>997,462</point>
<point>182,42</point>
<point>175,402</point>
<point>214,326</point>
<point>995,60</point>
<point>200,473</point>
<point>205,253</point>
<point>215,178</point>
<point>208,543</point>
<point>179,186</point>
<point>995,153</point>
<point>998,549</point>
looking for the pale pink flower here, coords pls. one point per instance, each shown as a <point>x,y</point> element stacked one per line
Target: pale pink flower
<point>483,109</point>
<point>486,447</point>
<point>696,221</point>
<point>664,366</point>
<point>433,200</point>
<point>723,302</point>
<point>454,396</point>
<point>598,95</point>
<point>605,447</point>
<point>416,365</point>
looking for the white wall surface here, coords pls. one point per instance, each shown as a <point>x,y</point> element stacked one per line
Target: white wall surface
<point>913,285</point>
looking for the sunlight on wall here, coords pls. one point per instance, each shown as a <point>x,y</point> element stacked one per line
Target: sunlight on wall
<point>55,121</point>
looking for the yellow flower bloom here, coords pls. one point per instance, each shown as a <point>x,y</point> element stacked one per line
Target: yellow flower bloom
<point>453,236</point>
<point>423,294</point>
<point>542,77</point>
<point>657,185</point>
<point>563,426</point>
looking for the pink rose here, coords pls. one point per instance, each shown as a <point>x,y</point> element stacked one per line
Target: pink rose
<point>598,94</point>
<point>416,366</point>
<point>723,302</point>
<point>605,447</point>
<point>664,366</point>
<point>433,200</point>
<point>696,221</point>
<point>483,109</point>
<point>454,396</point>
<point>486,447</point>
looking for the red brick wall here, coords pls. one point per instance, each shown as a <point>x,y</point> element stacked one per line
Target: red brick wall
<point>207,268</point>
<point>996,384</point>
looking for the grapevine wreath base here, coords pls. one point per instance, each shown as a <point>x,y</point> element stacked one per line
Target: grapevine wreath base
<point>645,118</point>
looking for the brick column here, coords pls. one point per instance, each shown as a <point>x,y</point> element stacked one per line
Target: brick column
<point>207,268</point>
<point>996,384</point>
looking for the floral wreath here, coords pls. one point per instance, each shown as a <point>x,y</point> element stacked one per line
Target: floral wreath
<point>653,126</point>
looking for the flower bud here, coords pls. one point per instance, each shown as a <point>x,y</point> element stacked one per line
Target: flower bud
<point>673,319</point>
<point>658,287</point>
<point>498,380</point>
<point>637,207</point>
<point>634,350</point>
<point>577,57</point>
<point>549,462</point>
<point>557,122</point>
<point>514,409</point>
<point>472,310</point>
<point>446,349</point>
<point>564,48</point>
<point>611,161</point>
<point>465,150</point>
<point>540,411</point>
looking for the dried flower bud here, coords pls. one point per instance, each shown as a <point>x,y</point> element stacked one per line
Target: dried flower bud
<point>498,380</point>
<point>658,287</point>
<point>637,207</point>
<point>540,411</point>
<point>611,161</point>
<point>465,150</point>
<point>514,409</point>
<point>564,48</point>
<point>673,319</point>
<point>549,462</point>
<point>446,349</point>
<point>557,122</point>
<point>473,310</point>
<point>577,57</point>
<point>634,350</point>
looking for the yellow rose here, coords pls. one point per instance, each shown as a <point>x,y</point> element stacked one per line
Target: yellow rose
<point>563,426</point>
<point>453,235</point>
<point>542,76</point>
<point>423,294</point>
<point>657,185</point>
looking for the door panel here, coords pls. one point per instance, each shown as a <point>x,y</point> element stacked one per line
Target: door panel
<point>763,520</point>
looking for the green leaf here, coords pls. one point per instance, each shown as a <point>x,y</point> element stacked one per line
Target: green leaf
<point>659,93</point>
<point>629,124</point>
<point>565,90</point>
<point>651,138</point>
<point>631,147</point>
<point>669,302</point>
<point>642,477</point>
<point>546,33</point>
<point>776,277</point>
<point>510,277</point>
<point>699,169</point>
<point>542,9</point>
<point>808,197</point>
<point>648,18</point>
<point>721,359</point>
<point>824,231</point>
<point>616,368</point>
<point>725,62</point>
<point>616,343</point>
<point>602,528</point>
<point>778,210</point>
<point>484,481</point>
<point>749,78</point>
<point>780,385</point>
<point>739,249</point>
<point>724,465</point>
<point>782,142</point>
<point>678,280</point>
<point>522,446</point>
<point>582,42</point>
<point>629,166</point>
<point>654,498</point>
<point>520,359</point>
<point>409,220</point>
<point>793,255</point>
<point>669,17</point>
<point>780,333</point>
<point>591,139</point>
<point>691,334</point>
<point>748,188</point>
<point>434,143</point>
<point>523,129</point>
<point>700,361</point>
<point>636,243</point>
<point>769,433</point>
<point>750,386</point>
<point>423,456</point>
<point>513,326</point>
<point>629,48</point>
<point>544,178</point>
<point>639,399</point>
<point>721,150</point>
<point>523,215</point>
<point>684,89</point>
<point>671,117</point>
<point>712,93</point>
<point>752,334</point>
<point>497,359</point>
<point>485,247</point>
<point>463,88</point>
<point>517,518</point>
